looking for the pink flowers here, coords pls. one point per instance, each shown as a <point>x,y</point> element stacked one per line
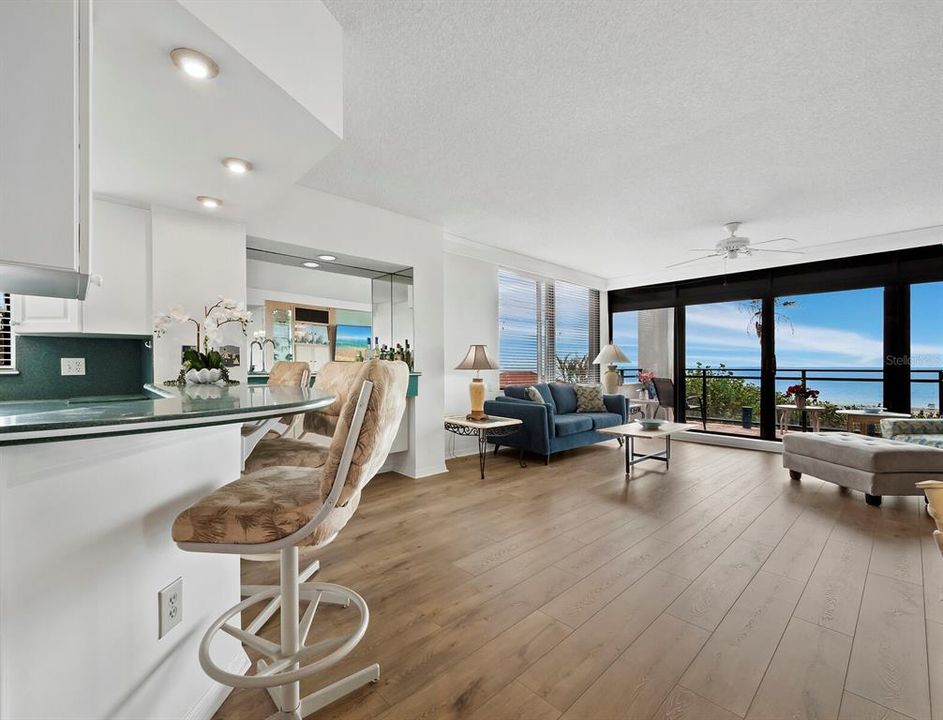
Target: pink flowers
<point>645,376</point>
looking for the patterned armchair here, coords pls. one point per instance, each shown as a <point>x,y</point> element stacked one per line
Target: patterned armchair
<point>919,432</point>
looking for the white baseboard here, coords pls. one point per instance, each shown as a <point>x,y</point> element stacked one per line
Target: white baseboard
<point>216,694</point>
<point>743,443</point>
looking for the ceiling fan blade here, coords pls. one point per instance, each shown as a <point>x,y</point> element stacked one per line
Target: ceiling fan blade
<point>787,252</point>
<point>779,239</point>
<point>707,250</point>
<point>685,262</point>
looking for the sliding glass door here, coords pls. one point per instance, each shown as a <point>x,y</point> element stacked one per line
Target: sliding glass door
<point>723,348</point>
<point>830,345</point>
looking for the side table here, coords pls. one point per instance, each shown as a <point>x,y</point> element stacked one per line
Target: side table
<point>493,427</point>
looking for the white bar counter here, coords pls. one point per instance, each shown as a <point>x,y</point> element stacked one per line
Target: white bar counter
<point>88,493</point>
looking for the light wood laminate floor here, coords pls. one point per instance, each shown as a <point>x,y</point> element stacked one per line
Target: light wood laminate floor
<point>714,591</point>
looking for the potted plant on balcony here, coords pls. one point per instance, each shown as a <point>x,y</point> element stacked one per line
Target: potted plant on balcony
<point>801,394</point>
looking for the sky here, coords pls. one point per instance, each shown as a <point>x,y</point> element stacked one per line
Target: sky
<point>826,330</point>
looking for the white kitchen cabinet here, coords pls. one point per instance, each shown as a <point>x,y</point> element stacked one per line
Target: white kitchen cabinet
<point>118,301</point>
<point>45,188</point>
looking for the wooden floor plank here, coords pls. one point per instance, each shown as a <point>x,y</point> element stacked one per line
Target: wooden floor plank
<point>585,598</point>
<point>932,577</point>
<point>692,558</point>
<point>854,707</point>
<point>731,666</point>
<point>636,684</point>
<point>897,553</point>
<point>889,655</point>
<point>708,598</point>
<point>473,681</point>
<point>935,657</point>
<point>806,677</point>
<point>682,704</point>
<point>832,596</point>
<point>799,550</point>
<point>564,673</point>
<point>515,702</point>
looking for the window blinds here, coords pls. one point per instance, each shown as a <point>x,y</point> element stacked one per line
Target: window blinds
<point>548,330</point>
<point>519,300</point>
<point>6,335</point>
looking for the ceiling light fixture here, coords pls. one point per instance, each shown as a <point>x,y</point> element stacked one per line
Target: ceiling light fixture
<point>310,264</point>
<point>327,258</point>
<point>208,202</point>
<point>237,166</point>
<point>194,63</point>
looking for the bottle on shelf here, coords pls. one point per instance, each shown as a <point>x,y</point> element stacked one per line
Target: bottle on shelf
<point>376,348</point>
<point>408,355</point>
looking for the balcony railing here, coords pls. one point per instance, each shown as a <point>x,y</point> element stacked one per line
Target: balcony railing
<point>726,399</point>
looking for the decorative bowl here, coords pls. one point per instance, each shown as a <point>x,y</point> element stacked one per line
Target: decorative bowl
<point>204,376</point>
<point>651,423</point>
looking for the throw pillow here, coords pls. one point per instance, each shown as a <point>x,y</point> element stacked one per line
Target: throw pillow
<point>534,394</point>
<point>589,398</point>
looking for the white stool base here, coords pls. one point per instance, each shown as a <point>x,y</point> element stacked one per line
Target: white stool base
<point>291,660</point>
<point>272,607</point>
<point>326,695</point>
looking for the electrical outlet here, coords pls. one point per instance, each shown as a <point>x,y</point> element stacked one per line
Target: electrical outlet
<point>170,604</point>
<point>73,366</point>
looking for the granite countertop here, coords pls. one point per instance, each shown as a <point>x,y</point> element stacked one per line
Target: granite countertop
<point>157,408</point>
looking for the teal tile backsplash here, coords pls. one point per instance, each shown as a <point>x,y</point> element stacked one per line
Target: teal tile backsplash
<point>113,366</point>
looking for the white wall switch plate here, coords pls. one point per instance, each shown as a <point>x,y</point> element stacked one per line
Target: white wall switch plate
<point>73,366</point>
<point>170,604</point>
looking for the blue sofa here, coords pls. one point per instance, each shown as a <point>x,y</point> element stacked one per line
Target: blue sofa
<point>553,425</point>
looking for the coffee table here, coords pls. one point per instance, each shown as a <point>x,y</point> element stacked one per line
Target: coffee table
<point>634,430</point>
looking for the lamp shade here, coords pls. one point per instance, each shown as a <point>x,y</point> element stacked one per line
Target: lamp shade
<point>609,355</point>
<point>477,358</point>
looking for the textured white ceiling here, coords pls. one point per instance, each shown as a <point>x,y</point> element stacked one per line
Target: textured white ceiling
<point>610,136</point>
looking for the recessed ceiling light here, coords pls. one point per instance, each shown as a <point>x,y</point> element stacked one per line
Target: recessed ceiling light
<point>208,202</point>
<point>310,264</point>
<point>194,63</point>
<point>327,258</point>
<point>237,166</point>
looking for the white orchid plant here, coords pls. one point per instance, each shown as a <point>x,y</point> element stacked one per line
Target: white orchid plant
<point>208,332</point>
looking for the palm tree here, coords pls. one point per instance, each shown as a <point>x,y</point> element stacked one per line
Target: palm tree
<point>754,309</point>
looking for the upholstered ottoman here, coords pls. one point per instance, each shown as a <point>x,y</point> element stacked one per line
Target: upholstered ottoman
<point>875,466</point>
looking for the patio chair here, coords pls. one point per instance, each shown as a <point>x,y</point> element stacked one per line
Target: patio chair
<point>665,392</point>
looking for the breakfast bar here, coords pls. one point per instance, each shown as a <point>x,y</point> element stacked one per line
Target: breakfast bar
<point>89,488</point>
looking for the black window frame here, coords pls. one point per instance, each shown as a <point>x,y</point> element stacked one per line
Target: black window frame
<point>894,271</point>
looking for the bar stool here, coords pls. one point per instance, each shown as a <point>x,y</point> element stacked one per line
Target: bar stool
<point>283,374</point>
<point>335,378</point>
<point>280,509</point>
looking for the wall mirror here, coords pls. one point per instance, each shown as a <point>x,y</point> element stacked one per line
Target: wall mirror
<point>315,306</point>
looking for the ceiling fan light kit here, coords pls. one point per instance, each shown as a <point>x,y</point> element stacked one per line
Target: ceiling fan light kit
<point>733,246</point>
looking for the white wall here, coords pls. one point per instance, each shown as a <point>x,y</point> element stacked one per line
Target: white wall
<point>196,259</point>
<point>471,318</point>
<point>305,217</point>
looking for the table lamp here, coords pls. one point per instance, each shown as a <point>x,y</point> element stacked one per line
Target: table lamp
<point>477,359</point>
<point>609,356</point>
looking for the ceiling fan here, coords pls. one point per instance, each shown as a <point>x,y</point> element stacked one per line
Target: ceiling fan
<point>733,246</point>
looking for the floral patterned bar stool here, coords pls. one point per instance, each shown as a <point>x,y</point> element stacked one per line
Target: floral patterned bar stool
<point>339,379</point>
<point>280,509</point>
